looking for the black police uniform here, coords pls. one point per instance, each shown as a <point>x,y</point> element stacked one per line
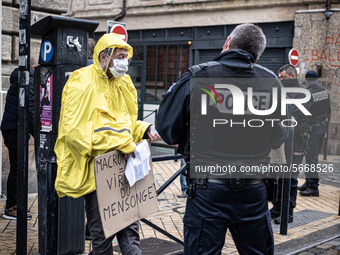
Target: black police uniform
<point>216,206</point>
<point>321,111</point>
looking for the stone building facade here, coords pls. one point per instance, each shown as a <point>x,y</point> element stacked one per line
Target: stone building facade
<point>9,56</point>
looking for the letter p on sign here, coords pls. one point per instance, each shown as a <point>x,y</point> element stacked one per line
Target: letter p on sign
<point>46,51</point>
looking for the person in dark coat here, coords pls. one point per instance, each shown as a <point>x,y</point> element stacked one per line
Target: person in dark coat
<point>9,129</point>
<point>318,126</point>
<point>219,200</point>
<point>288,76</point>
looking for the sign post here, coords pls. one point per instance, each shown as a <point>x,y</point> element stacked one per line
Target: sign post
<point>293,57</point>
<point>23,134</point>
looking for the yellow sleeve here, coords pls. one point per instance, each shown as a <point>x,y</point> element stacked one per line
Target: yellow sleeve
<point>139,131</point>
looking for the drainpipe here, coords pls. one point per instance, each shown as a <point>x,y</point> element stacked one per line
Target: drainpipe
<point>122,13</point>
<point>328,12</point>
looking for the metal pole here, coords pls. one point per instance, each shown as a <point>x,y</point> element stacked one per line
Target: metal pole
<point>143,86</point>
<point>285,204</point>
<point>162,231</point>
<point>24,74</point>
<point>339,207</point>
<point>51,242</point>
<point>172,178</point>
<point>325,145</point>
<point>166,157</point>
<point>286,183</point>
<point>1,100</point>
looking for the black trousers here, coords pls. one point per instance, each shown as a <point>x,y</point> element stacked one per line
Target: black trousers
<point>128,238</point>
<point>11,142</point>
<point>317,135</point>
<point>215,209</point>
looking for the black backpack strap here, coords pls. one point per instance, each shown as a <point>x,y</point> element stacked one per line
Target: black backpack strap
<point>195,69</point>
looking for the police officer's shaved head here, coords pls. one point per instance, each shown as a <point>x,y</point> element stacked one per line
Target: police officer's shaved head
<point>250,38</point>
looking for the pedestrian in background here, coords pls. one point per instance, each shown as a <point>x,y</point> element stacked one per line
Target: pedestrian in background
<point>90,49</point>
<point>9,129</point>
<point>217,204</point>
<point>99,114</point>
<point>318,126</point>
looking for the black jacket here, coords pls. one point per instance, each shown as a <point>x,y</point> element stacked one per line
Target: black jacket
<point>320,104</point>
<point>174,120</point>
<point>301,129</point>
<point>10,117</point>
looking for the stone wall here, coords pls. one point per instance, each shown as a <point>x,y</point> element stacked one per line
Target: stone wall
<point>151,14</point>
<point>318,41</point>
<point>316,38</point>
<point>10,53</point>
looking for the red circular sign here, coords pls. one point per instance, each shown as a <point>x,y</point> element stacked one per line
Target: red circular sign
<point>120,30</point>
<point>293,57</point>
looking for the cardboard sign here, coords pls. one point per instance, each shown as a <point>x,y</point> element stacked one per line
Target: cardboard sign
<point>119,204</point>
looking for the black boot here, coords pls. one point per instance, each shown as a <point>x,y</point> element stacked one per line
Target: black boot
<point>290,218</point>
<point>303,187</point>
<point>310,192</point>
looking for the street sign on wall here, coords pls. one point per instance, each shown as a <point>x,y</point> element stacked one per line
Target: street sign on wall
<point>117,28</point>
<point>293,57</point>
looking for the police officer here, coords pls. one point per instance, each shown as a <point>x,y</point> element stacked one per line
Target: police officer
<point>288,77</point>
<point>216,204</point>
<point>321,112</point>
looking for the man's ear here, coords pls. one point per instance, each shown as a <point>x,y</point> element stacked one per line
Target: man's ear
<point>226,44</point>
<point>102,56</point>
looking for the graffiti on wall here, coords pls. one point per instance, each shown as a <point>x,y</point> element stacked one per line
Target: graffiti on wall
<point>332,52</point>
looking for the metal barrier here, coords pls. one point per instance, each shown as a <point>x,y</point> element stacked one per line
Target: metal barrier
<point>152,112</point>
<point>284,202</point>
<point>161,189</point>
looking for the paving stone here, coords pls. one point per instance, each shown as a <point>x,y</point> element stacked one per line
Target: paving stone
<point>324,246</point>
<point>331,252</point>
<point>316,250</point>
<point>335,242</point>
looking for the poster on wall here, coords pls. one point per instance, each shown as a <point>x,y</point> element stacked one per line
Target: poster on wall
<point>46,104</point>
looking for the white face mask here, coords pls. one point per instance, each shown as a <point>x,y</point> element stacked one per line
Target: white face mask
<point>119,68</point>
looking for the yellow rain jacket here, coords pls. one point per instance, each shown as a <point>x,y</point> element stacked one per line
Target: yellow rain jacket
<point>97,115</point>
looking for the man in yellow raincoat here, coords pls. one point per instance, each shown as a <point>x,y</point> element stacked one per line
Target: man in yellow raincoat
<point>98,114</point>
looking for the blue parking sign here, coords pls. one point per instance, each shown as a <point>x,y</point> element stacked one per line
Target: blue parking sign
<point>46,51</point>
